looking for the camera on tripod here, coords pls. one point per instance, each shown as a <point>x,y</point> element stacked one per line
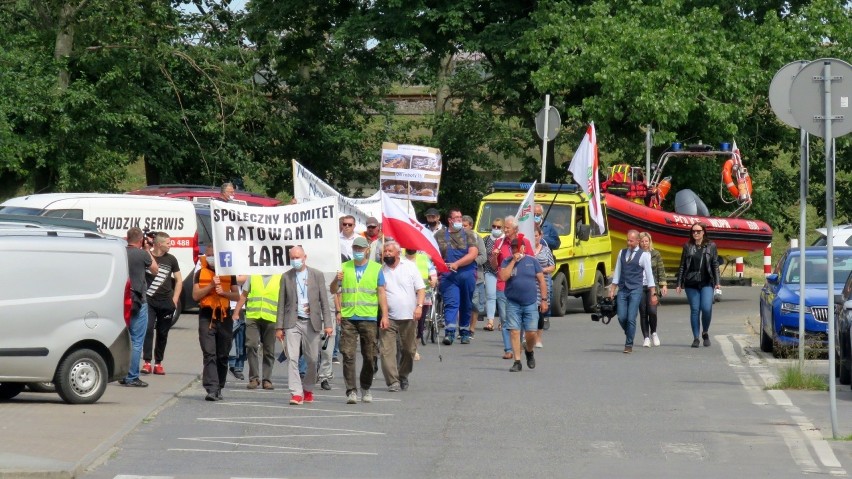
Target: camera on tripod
<point>604,310</point>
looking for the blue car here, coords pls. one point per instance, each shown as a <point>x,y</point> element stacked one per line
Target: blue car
<point>780,302</point>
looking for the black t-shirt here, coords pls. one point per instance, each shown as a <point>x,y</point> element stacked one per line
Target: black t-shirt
<point>138,262</point>
<point>160,287</point>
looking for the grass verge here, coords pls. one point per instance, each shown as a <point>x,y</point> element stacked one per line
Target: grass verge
<point>793,377</point>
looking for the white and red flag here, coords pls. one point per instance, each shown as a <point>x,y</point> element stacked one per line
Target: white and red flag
<point>584,166</point>
<point>409,233</point>
<point>526,215</point>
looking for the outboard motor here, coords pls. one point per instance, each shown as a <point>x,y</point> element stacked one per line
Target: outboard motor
<point>688,203</point>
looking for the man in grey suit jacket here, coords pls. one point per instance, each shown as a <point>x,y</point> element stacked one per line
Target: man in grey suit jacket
<point>303,314</point>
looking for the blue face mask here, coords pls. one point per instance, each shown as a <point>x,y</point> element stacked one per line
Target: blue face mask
<point>457,226</point>
<point>496,232</point>
<point>358,256</point>
<point>297,263</point>
<point>538,218</point>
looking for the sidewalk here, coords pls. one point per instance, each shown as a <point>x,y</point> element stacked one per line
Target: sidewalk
<point>41,436</point>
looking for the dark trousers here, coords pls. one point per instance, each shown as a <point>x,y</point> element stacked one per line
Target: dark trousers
<point>215,340</point>
<point>260,332</point>
<point>351,332</point>
<point>160,315</point>
<point>647,314</point>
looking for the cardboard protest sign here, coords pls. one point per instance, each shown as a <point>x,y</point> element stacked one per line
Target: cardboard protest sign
<point>410,172</point>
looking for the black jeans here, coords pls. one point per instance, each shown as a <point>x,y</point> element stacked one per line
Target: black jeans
<point>215,340</point>
<point>647,314</point>
<point>160,315</point>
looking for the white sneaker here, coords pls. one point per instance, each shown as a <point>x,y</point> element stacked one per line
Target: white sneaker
<point>351,398</point>
<point>655,339</point>
<point>366,396</point>
<point>646,343</point>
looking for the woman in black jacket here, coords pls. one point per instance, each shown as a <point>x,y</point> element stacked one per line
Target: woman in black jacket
<point>698,274</point>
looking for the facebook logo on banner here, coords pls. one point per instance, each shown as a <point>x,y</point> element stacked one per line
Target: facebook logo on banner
<point>225,259</point>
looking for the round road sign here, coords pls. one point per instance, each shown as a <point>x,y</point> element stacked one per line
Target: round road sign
<point>807,96</point>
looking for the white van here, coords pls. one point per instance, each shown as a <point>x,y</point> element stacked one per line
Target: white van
<point>114,214</point>
<point>64,316</point>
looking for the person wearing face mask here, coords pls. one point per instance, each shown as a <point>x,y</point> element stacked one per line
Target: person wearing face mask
<point>491,273</point>
<point>305,313</point>
<point>360,297</point>
<point>550,235</point>
<point>215,324</point>
<point>406,292</point>
<point>478,300</point>
<point>502,251</point>
<point>433,220</point>
<point>260,297</point>
<point>226,192</point>
<point>459,250</point>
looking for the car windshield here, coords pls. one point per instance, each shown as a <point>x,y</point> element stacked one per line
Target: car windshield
<point>816,270</point>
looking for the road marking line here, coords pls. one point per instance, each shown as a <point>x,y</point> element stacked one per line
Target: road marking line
<point>800,452</point>
<point>609,448</point>
<point>689,449</point>
<point>296,427</point>
<point>219,451</point>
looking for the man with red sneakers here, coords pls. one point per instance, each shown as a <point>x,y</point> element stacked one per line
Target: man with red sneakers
<point>163,298</point>
<point>304,316</point>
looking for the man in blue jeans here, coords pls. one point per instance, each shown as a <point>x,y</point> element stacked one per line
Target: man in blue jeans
<point>526,295</point>
<point>632,266</point>
<point>139,259</point>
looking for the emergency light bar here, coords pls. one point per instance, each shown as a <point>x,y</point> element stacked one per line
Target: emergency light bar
<point>543,187</point>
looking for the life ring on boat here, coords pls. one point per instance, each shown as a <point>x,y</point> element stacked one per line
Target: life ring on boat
<point>742,187</point>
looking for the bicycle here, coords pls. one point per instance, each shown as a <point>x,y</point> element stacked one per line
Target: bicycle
<point>434,322</point>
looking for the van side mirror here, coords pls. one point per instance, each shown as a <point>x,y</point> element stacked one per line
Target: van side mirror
<point>584,232</point>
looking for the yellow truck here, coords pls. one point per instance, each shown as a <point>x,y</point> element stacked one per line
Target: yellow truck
<point>583,260</point>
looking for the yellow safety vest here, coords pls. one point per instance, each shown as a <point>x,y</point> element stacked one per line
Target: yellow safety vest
<point>422,260</point>
<point>262,301</point>
<point>360,298</point>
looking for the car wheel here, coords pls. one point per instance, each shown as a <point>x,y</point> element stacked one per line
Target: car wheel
<point>81,377</point>
<point>560,295</point>
<point>765,340</point>
<point>46,387</point>
<point>844,374</point>
<point>594,295</point>
<point>10,390</point>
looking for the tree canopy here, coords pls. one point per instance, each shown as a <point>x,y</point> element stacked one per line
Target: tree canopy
<point>202,93</point>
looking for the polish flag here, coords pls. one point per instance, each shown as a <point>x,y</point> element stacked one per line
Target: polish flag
<point>409,233</point>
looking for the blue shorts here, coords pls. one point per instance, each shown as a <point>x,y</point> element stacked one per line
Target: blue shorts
<point>522,317</point>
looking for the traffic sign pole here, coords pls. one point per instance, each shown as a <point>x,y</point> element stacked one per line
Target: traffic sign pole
<point>544,140</point>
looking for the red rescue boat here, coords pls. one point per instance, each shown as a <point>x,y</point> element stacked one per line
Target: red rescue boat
<point>633,203</point>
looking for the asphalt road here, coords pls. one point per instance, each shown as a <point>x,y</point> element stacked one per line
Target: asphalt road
<point>586,410</point>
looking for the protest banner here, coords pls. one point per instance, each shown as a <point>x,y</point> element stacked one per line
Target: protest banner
<point>410,172</point>
<point>309,187</point>
<point>257,239</point>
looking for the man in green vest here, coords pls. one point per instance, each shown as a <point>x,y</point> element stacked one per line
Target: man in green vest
<point>260,297</point>
<point>360,300</point>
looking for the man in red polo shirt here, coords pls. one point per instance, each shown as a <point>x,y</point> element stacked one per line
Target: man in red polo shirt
<point>502,250</point>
